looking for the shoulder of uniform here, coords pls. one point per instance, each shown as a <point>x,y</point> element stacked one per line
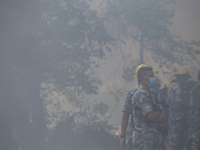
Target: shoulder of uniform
<point>173,87</point>
<point>141,96</point>
<point>140,92</point>
<point>131,92</point>
<point>196,88</point>
<point>176,87</point>
<point>137,94</point>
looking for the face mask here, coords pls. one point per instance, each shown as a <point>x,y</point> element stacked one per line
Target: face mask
<point>152,81</point>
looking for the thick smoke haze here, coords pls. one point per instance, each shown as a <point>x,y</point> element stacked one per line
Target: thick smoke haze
<point>67,65</point>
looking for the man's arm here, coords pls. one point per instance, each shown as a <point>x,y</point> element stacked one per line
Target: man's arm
<point>156,116</point>
<point>124,124</point>
<point>159,117</point>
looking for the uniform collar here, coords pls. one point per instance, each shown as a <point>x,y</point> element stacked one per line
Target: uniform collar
<point>177,84</point>
<point>143,89</point>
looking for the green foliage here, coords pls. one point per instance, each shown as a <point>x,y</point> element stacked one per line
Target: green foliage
<point>55,42</point>
<point>148,18</point>
<point>66,104</point>
<point>73,37</point>
<point>146,22</point>
<point>129,73</point>
<point>100,108</point>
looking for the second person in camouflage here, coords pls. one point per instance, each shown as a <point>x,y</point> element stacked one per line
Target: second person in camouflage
<point>177,107</point>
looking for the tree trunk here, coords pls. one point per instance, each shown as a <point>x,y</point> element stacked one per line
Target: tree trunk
<point>141,50</point>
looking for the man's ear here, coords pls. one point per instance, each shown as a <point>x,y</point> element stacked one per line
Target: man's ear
<point>141,78</point>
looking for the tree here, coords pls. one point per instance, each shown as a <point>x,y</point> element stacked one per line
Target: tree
<point>146,23</point>
<point>46,41</point>
<point>74,39</point>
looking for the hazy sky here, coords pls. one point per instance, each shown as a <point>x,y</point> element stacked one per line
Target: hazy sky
<point>186,22</point>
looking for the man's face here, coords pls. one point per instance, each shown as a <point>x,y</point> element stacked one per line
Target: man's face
<point>182,78</point>
<point>149,74</point>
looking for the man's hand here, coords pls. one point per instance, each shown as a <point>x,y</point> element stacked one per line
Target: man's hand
<point>162,146</point>
<point>123,143</point>
<point>153,115</point>
<point>166,125</point>
<point>163,118</point>
<point>124,123</point>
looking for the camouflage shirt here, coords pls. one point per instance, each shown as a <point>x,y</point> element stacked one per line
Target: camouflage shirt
<point>144,102</point>
<point>194,108</point>
<point>175,97</point>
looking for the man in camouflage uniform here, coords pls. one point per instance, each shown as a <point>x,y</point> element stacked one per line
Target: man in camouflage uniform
<point>177,106</point>
<point>147,113</point>
<point>193,140</point>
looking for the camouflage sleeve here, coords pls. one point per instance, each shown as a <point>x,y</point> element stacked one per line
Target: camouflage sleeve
<point>127,106</point>
<point>191,110</point>
<point>145,105</point>
<point>178,96</point>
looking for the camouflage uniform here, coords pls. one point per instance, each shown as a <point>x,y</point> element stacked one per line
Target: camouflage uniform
<point>175,131</point>
<point>145,131</point>
<point>193,140</point>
